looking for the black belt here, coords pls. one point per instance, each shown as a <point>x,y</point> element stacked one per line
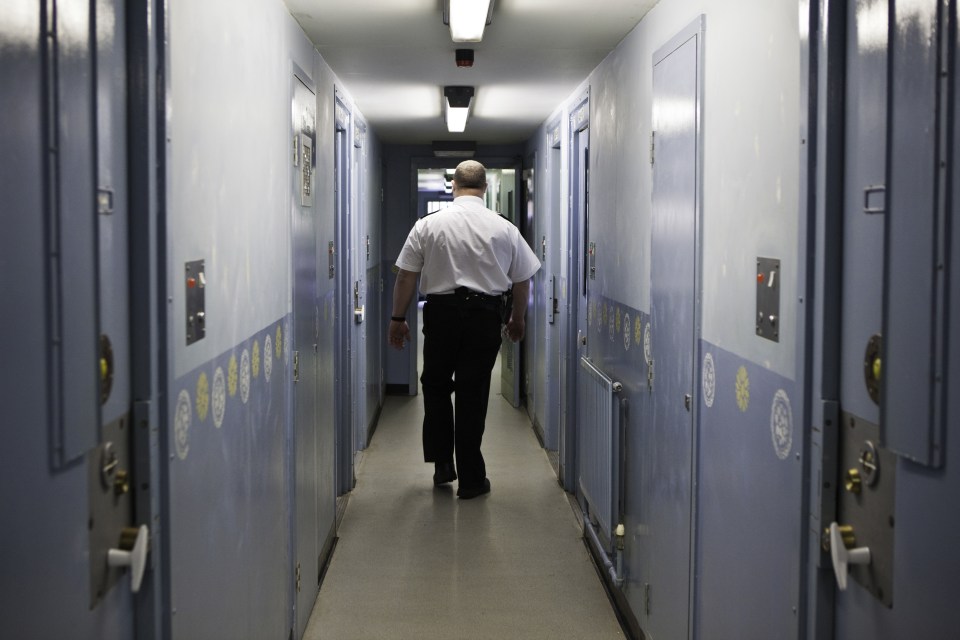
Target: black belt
<point>464,297</point>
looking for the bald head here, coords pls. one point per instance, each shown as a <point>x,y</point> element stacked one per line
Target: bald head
<point>470,175</point>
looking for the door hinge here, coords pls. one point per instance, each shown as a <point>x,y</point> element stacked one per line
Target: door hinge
<point>298,577</point>
<point>653,145</point>
<point>296,366</point>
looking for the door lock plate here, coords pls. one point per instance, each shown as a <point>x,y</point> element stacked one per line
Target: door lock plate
<point>109,504</point>
<point>865,502</point>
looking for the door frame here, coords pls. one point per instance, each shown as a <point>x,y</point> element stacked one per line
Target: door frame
<point>574,318</point>
<point>511,389</point>
<point>358,286</point>
<point>552,205</point>
<point>306,541</point>
<point>823,82</point>
<point>148,61</point>
<point>343,234</point>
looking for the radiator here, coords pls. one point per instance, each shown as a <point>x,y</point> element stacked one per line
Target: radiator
<point>599,446</point>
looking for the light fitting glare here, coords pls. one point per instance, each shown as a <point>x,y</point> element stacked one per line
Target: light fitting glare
<point>457,118</point>
<point>467,19</point>
<point>456,102</point>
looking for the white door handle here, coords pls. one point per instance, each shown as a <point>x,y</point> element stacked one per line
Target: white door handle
<point>136,558</point>
<point>842,556</point>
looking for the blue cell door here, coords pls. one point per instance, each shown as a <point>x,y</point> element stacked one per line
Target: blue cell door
<point>669,436</point>
<point>346,334</point>
<point>534,357</point>
<point>304,500</point>
<point>507,197</point>
<point>551,217</point>
<point>574,293</point>
<point>895,472</point>
<point>360,257</point>
<point>69,460</point>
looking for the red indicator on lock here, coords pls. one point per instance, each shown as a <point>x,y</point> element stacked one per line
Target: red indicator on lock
<point>760,278</point>
<point>191,283</point>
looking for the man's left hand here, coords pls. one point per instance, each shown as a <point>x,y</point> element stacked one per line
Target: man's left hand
<point>398,333</point>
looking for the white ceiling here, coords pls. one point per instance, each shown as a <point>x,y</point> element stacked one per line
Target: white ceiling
<point>395,56</point>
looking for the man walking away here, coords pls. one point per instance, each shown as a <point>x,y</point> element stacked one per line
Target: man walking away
<point>467,257</point>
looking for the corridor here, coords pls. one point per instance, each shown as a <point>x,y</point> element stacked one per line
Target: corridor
<point>741,355</point>
<point>413,561</point>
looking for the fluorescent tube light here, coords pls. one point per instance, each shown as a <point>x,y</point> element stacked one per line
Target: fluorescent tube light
<point>454,149</point>
<point>456,102</point>
<point>467,19</point>
<point>457,118</point>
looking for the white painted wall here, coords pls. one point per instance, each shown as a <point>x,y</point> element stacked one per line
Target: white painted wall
<point>751,160</point>
<point>228,160</point>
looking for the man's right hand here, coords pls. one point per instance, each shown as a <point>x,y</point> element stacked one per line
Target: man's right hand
<point>516,328</point>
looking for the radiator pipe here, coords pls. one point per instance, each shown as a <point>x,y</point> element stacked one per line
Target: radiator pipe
<point>615,573</point>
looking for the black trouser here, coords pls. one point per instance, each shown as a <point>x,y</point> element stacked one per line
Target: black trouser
<point>461,339</point>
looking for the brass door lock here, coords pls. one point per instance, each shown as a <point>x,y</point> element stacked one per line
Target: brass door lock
<point>872,367</point>
<point>846,535</point>
<point>853,482</point>
<point>121,483</point>
<point>106,368</point>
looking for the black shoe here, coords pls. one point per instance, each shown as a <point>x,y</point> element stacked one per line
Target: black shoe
<point>444,472</point>
<point>466,493</point>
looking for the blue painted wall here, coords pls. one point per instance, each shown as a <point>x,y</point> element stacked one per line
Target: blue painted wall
<point>232,508</point>
<point>750,208</point>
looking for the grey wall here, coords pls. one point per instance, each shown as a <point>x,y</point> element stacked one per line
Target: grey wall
<point>229,165</point>
<point>751,163</point>
<point>751,150</point>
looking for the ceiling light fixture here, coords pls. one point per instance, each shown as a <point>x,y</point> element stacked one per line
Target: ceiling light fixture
<point>457,106</point>
<point>467,18</point>
<point>454,148</point>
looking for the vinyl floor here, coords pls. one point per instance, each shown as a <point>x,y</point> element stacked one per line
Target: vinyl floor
<point>413,561</point>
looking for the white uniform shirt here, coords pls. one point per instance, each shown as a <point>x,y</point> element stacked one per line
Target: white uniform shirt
<point>467,245</point>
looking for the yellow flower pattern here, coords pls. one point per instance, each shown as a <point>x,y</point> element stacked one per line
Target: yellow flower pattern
<point>232,376</point>
<point>203,396</point>
<point>743,389</point>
